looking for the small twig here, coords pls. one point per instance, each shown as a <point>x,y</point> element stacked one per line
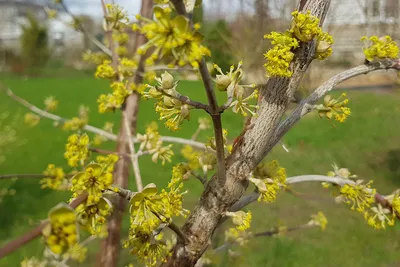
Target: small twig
<point>29,175</point>
<point>83,30</point>
<point>196,133</point>
<point>185,99</point>
<point>35,232</point>
<point>178,232</point>
<point>266,233</point>
<point>134,158</point>
<point>201,179</point>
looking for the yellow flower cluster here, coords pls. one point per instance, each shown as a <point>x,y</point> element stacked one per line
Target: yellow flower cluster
<point>280,55</point>
<point>334,108</point>
<point>95,58</point>
<point>149,209</point>
<point>305,27</point>
<point>147,247</point>
<point>206,160</point>
<point>360,196</point>
<point>105,70</point>
<point>172,38</point>
<point>378,216</point>
<point>152,143</point>
<point>232,236</point>
<point>51,103</point>
<point>54,178</point>
<point>31,119</point>
<point>77,253</point>
<point>115,100</point>
<point>62,232</point>
<point>94,180</point>
<point>241,219</point>
<point>269,178</point>
<point>74,124</point>
<point>117,17</point>
<point>319,219</point>
<point>94,216</point>
<point>230,82</point>
<point>76,149</point>
<point>380,48</point>
<point>170,109</point>
<point>33,262</point>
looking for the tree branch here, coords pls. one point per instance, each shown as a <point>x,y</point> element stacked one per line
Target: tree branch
<point>305,106</point>
<point>246,200</point>
<point>83,30</point>
<point>34,233</point>
<point>185,99</point>
<point>133,156</point>
<point>93,129</point>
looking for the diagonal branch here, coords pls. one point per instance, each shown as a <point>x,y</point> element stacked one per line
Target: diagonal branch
<point>34,233</point>
<point>92,129</point>
<point>83,30</point>
<point>305,106</point>
<point>184,99</point>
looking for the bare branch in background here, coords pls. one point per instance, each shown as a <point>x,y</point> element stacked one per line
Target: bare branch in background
<point>133,157</point>
<point>93,129</point>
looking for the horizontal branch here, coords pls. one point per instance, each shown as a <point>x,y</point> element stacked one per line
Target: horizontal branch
<point>305,106</point>
<point>95,130</point>
<point>268,233</point>
<point>246,200</point>
<point>34,233</point>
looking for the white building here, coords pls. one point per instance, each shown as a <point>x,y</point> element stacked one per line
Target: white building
<point>14,13</point>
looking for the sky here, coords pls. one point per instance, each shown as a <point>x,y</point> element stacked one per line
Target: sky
<point>93,7</point>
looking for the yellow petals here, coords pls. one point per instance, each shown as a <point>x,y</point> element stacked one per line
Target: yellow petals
<point>76,149</point>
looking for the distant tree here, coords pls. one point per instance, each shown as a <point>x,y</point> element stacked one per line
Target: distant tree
<point>34,43</point>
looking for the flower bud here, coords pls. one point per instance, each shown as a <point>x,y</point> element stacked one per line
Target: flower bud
<point>167,81</point>
<point>223,82</point>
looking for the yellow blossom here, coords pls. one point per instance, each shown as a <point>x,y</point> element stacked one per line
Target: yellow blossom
<point>319,219</point>
<point>54,178</point>
<point>94,180</point>
<point>305,26</point>
<point>31,119</point>
<point>241,219</point>
<point>334,108</point>
<point>360,196</point>
<point>380,48</point>
<point>51,103</point>
<point>62,232</point>
<point>105,70</point>
<point>94,216</point>
<point>76,149</point>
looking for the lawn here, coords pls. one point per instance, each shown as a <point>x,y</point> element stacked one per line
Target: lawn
<point>368,144</point>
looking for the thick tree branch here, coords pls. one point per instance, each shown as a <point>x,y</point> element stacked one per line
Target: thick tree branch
<point>223,191</point>
<point>305,106</point>
<point>34,233</point>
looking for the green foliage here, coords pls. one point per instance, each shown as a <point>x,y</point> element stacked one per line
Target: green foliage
<point>217,36</point>
<point>34,43</point>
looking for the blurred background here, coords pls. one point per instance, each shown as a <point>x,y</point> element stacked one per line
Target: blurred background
<point>42,57</point>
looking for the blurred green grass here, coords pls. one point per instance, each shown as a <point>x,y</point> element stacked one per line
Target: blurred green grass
<point>368,144</point>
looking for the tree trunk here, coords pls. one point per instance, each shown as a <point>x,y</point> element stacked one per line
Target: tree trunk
<point>109,252</point>
<point>257,141</point>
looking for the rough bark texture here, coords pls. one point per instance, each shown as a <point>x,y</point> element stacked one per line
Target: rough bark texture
<point>109,252</point>
<point>220,194</point>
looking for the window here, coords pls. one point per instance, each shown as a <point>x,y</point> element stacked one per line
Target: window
<point>376,8</point>
<point>392,8</point>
